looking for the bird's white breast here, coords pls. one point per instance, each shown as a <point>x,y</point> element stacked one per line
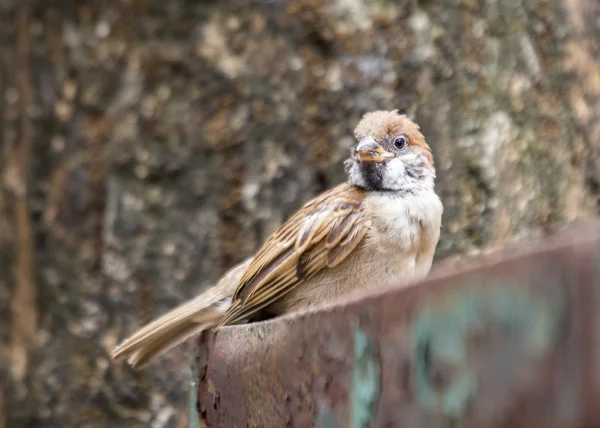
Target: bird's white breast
<point>404,231</point>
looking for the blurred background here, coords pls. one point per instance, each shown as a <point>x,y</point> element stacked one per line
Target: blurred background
<point>148,145</point>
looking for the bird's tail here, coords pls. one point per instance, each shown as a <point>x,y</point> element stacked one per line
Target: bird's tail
<point>171,329</point>
<point>177,325</point>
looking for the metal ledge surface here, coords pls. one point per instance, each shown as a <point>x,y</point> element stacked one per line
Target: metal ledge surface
<point>511,340</point>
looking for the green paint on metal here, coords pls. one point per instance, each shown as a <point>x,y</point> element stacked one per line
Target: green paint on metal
<point>325,417</point>
<point>438,336</point>
<point>193,418</point>
<point>365,380</point>
<point>442,332</point>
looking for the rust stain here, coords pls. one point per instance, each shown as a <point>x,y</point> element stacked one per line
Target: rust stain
<point>24,311</point>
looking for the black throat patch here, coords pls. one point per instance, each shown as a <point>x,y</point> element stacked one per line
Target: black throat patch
<point>373,175</point>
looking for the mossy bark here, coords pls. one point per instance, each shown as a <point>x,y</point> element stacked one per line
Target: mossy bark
<point>147,145</point>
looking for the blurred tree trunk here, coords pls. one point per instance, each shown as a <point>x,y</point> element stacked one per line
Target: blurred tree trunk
<point>147,145</point>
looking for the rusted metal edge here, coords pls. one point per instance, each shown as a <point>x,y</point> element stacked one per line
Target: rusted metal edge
<point>509,341</point>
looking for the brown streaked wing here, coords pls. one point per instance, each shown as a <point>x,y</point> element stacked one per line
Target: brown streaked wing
<point>320,235</point>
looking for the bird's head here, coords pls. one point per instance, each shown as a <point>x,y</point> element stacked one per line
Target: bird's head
<point>390,154</point>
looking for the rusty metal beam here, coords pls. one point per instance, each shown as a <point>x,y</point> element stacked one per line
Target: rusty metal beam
<point>512,340</point>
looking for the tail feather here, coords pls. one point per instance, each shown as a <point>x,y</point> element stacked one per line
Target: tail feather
<point>177,325</point>
<point>170,330</point>
<point>154,348</point>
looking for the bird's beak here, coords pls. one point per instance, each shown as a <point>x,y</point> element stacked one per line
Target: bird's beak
<point>368,150</point>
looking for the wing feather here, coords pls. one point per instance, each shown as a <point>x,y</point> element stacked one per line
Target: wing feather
<point>320,235</point>
<point>338,253</point>
<point>341,229</point>
<point>310,227</point>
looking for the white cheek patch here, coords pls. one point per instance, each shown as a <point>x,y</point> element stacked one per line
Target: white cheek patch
<point>355,176</point>
<point>395,175</point>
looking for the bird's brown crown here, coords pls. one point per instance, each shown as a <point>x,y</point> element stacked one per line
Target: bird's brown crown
<point>389,124</point>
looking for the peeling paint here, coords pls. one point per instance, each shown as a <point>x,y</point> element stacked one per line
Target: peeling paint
<point>365,380</point>
<point>446,338</point>
<point>326,418</point>
<point>491,342</point>
<point>193,416</point>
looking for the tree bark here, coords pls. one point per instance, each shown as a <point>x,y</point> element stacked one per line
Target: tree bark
<point>148,145</point>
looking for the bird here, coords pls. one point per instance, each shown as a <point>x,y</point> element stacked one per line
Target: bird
<point>378,228</point>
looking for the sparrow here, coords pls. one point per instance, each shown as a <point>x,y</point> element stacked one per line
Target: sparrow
<point>378,228</point>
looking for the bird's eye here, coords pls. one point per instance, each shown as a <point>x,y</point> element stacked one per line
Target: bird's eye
<point>400,142</point>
